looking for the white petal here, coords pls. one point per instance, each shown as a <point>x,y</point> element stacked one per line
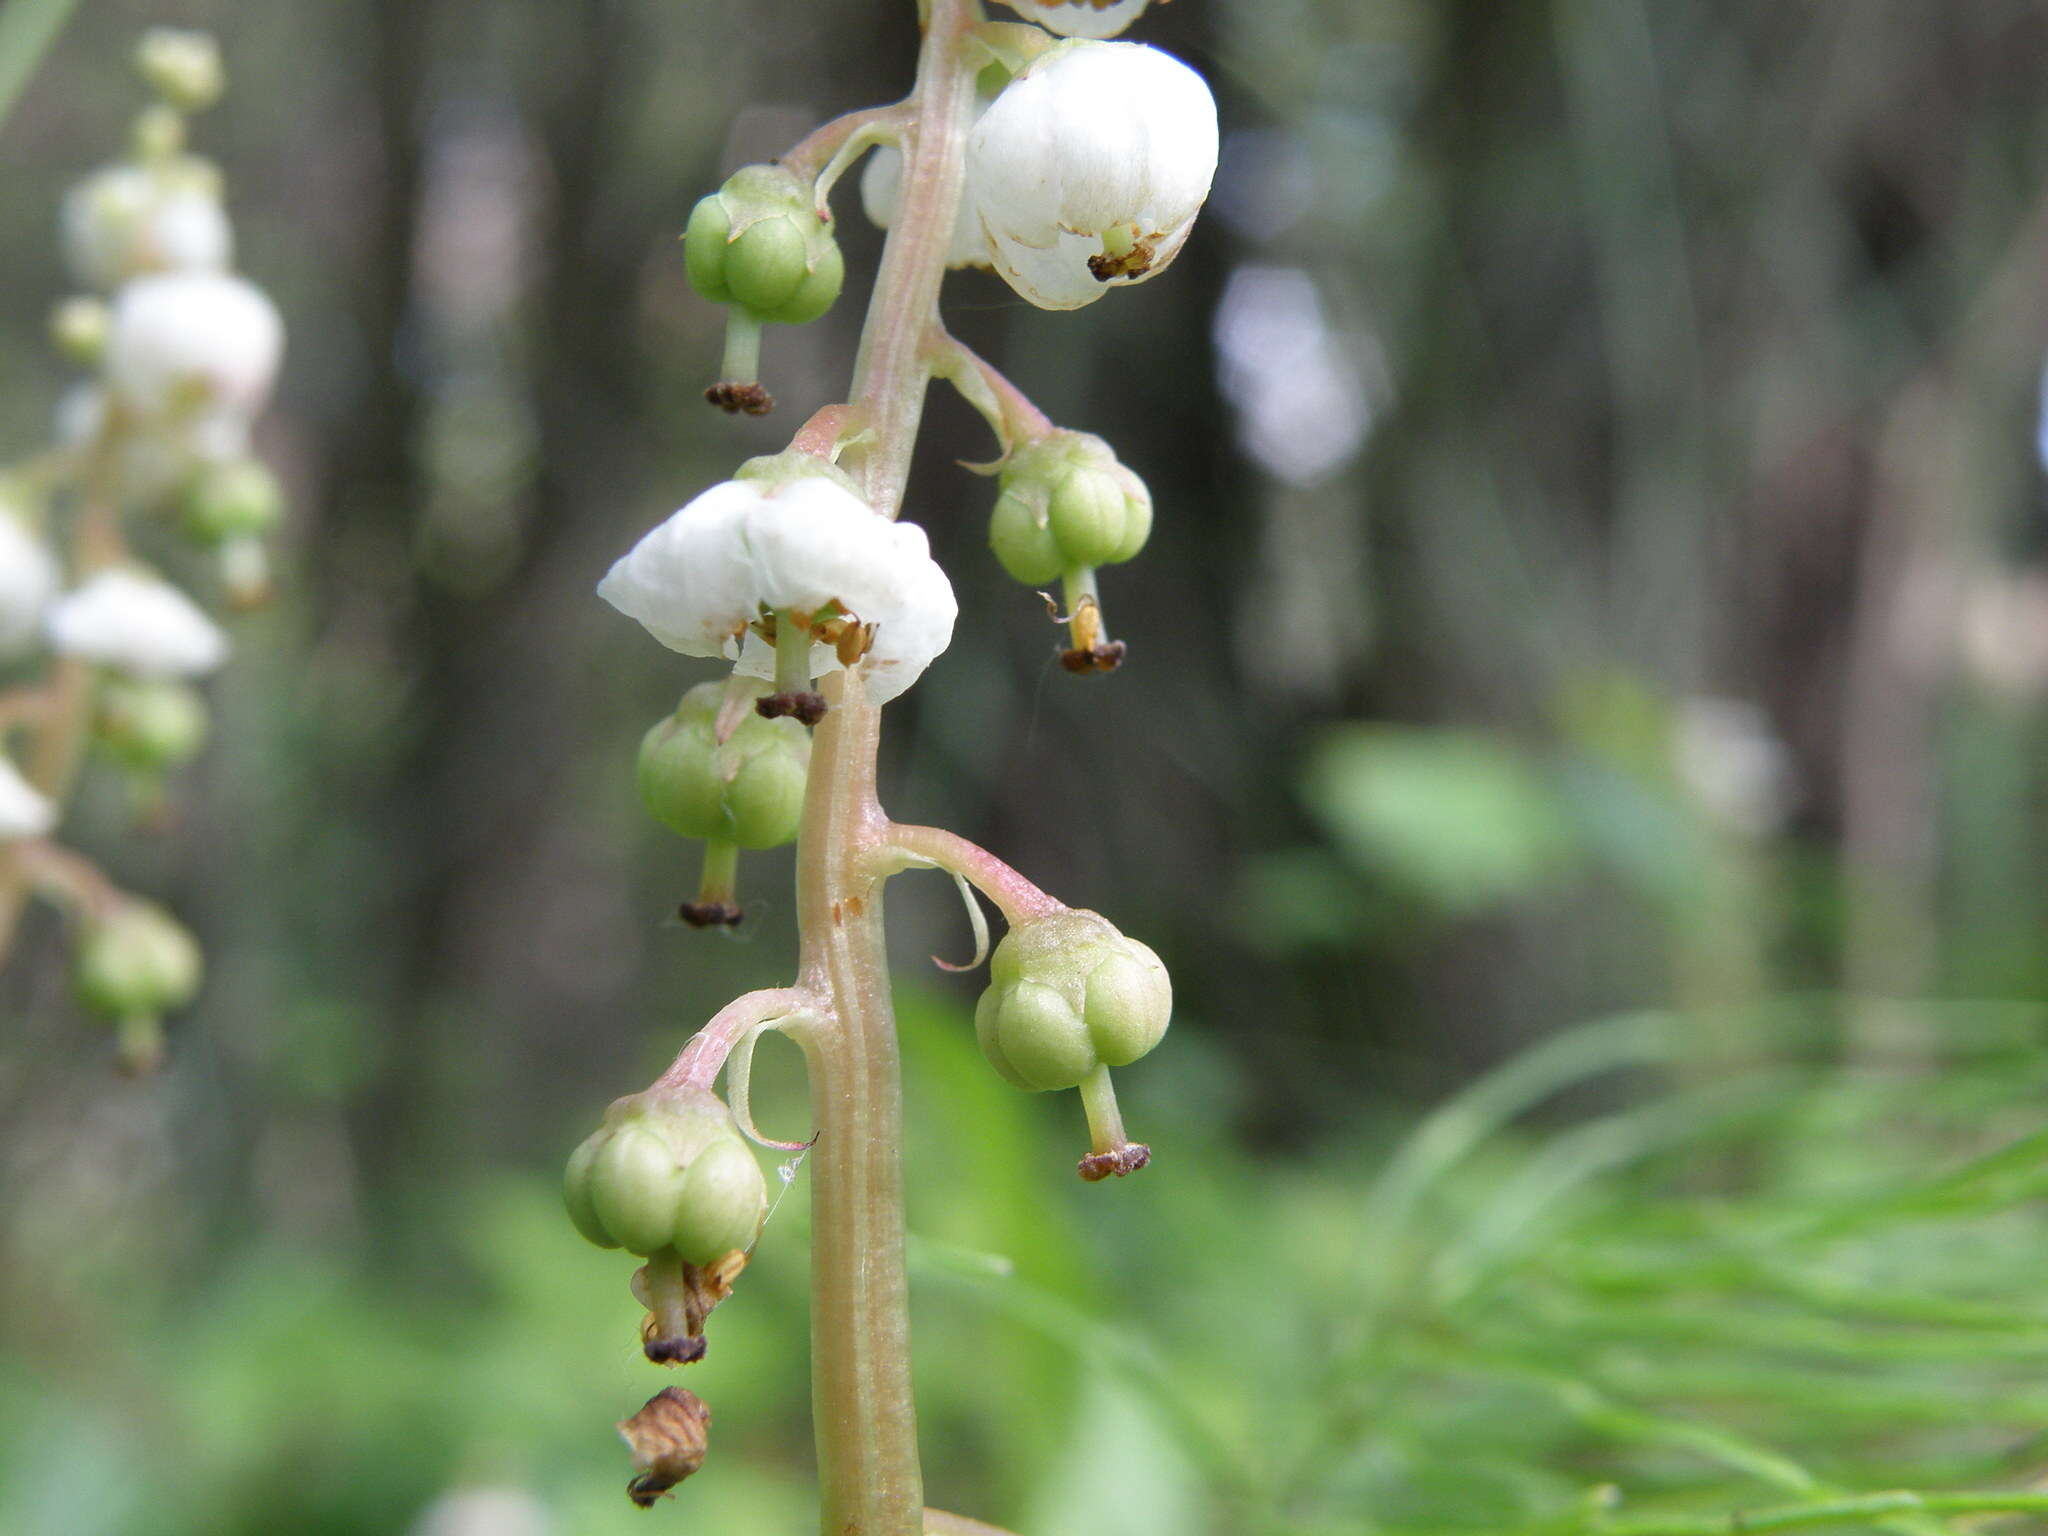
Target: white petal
<point>881,182</point>
<point>24,811</point>
<point>1091,138</point>
<point>28,580</point>
<point>193,339</point>
<point>697,581</point>
<point>127,220</point>
<point>138,623</point>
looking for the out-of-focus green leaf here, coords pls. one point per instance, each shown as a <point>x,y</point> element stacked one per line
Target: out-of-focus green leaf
<point>1459,819</point>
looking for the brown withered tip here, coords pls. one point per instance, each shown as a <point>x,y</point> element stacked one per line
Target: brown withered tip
<point>1128,1158</point>
<point>1139,258</point>
<point>1095,658</point>
<point>668,1437</point>
<point>807,707</point>
<point>687,1350</point>
<point>710,914</point>
<point>737,399</point>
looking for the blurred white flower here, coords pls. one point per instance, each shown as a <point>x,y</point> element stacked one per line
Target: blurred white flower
<point>1302,407</point>
<point>28,580</point>
<point>24,810</point>
<point>188,342</point>
<point>881,185</point>
<point>484,1512</point>
<point>1081,18</point>
<point>136,622</point>
<point>2002,631</point>
<point>700,579</point>
<point>1088,170</point>
<point>127,220</point>
<point>1732,762</point>
<point>156,456</point>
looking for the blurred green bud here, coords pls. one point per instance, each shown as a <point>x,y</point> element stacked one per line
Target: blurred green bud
<point>760,242</point>
<point>159,134</point>
<point>1066,503</point>
<point>748,789</point>
<point>137,962</point>
<point>1068,993</point>
<point>183,67</point>
<point>667,1170</point>
<point>240,499</point>
<point>150,725</point>
<point>78,327</point>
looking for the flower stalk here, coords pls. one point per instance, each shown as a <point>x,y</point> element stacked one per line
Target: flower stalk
<point>798,572</point>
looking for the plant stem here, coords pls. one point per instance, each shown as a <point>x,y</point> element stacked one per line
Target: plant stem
<point>1015,897</point>
<point>870,1482</point>
<point>696,1066</point>
<point>60,726</point>
<point>27,29</point>
<point>1008,411</point>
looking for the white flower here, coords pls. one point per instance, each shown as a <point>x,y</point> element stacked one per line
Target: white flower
<point>700,579</point>
<point>24,810</point>
<point>127,220</point>
<point>189,341</point>
<point>28,580</point>
<point>1088,170</point>
<point>156,457</point>
<point>136,622</point>
<point>1081,18</point>
<point>881,185</point>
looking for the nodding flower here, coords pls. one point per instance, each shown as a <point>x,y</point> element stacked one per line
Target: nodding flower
<point>1088,170</point>
<point>133,621</point>
<point>790,578</point>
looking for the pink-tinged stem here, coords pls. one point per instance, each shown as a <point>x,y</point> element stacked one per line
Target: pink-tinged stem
<point>811,154</point>
<point>1015,897</point>
<point>1006,408</point>
<point>863,1409</point>
<point>821,436</point>
<point>698,1064</point>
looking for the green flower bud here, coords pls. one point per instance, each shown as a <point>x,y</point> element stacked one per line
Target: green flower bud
<point>1065,503</point>
<point>237,500</point>
<point>748,789</point>
<point>182,67</point>
<point>78,327</point>
<point>136,962</point>
<point>759,242</point>
<point>667,1171</point>
<point>1068,993</point>
<point>150,725</point>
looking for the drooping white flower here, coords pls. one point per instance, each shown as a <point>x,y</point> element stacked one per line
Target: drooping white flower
<point>700,579</point>
<point>187,342</point>
<point>28,580</point>
<point>136,622</point>
<point>156,456</point>
<point>1088,170</point>
<point>1081,18</point>
<point>24,810</point>
<point>881,187</point>
<point>127,220</point>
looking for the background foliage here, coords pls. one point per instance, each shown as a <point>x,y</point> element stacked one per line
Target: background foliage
<point>1597,579</point>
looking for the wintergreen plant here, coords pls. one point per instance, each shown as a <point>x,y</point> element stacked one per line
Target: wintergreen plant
<point>150,451</point>
<point>1071,166</point>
